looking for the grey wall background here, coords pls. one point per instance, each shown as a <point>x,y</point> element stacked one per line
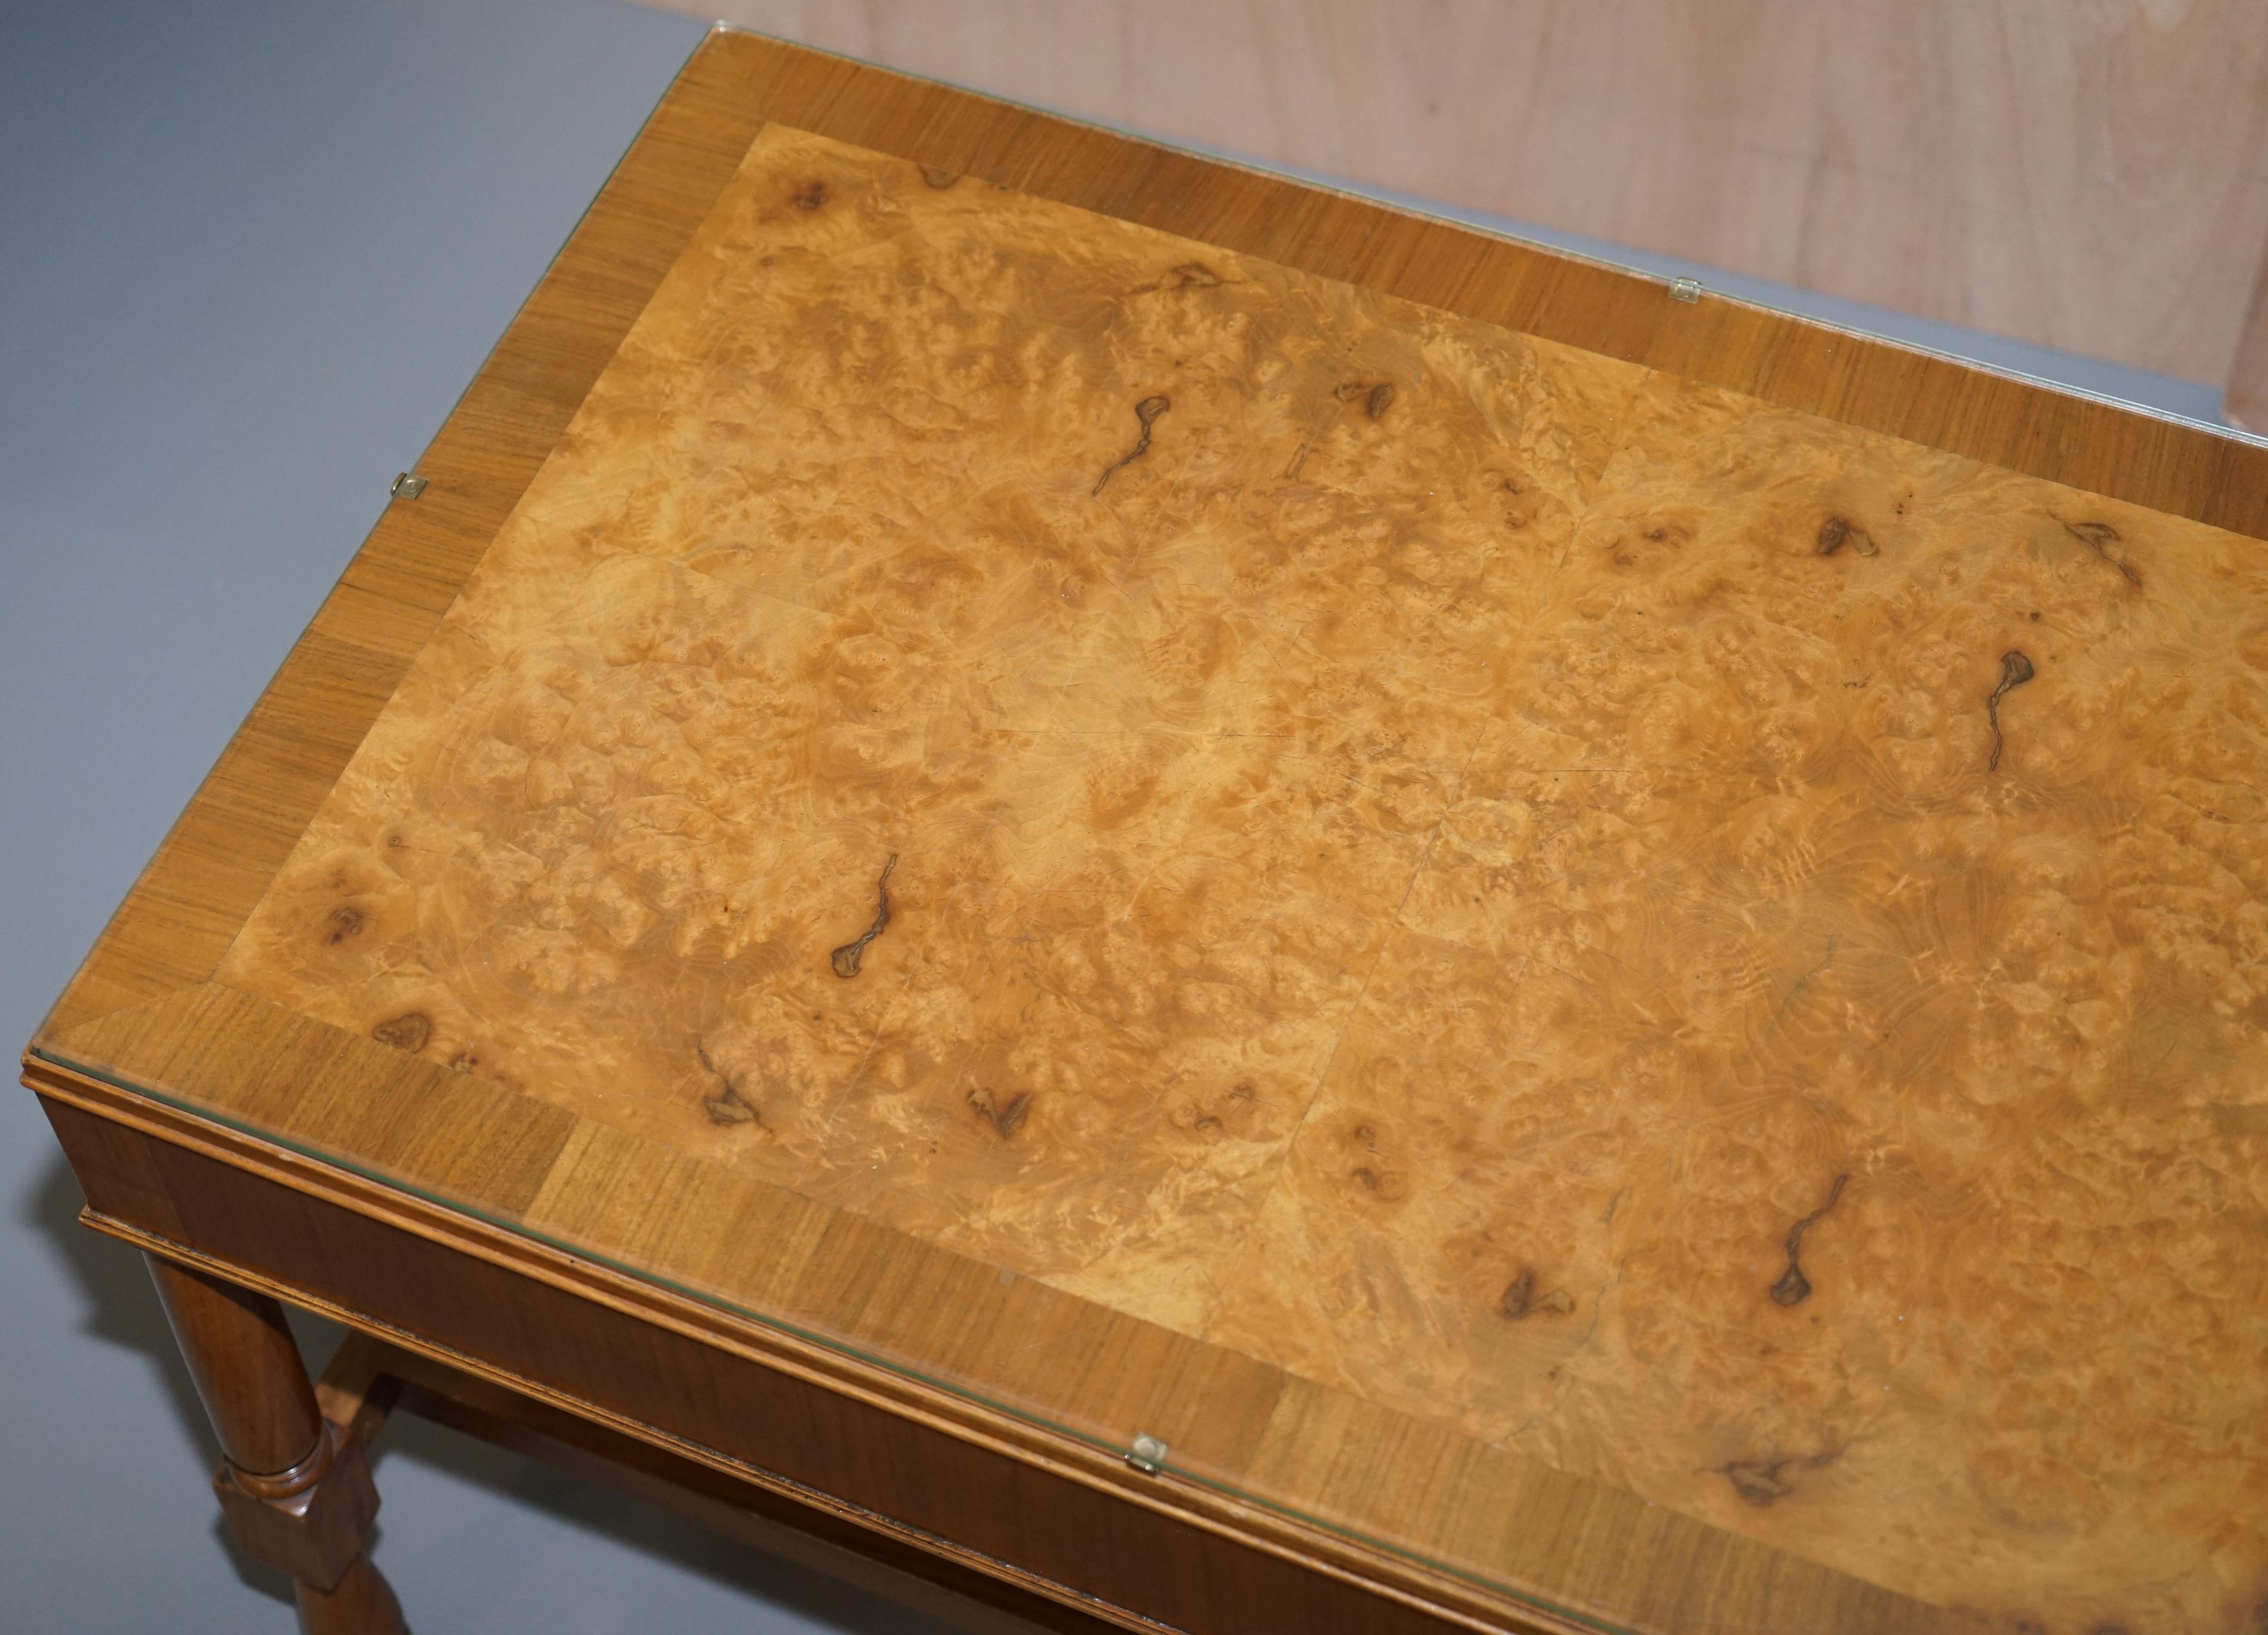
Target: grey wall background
<point>250,252</point>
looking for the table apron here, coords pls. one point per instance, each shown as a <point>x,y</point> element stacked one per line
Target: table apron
<point>1066,1523</point>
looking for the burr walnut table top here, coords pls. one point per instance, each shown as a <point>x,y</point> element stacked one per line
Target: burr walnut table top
<point>1518,926</point>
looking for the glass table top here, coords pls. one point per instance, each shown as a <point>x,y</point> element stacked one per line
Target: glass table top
<point>1343,864</point>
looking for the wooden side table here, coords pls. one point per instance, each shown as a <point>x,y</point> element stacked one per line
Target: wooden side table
<point>1160,900</point>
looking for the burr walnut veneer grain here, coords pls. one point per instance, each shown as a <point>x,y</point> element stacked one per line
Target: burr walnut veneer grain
<point>1607,956</point>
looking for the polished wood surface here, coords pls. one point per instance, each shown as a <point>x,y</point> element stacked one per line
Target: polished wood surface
<point>879,756</point>
<point>296,1494</point>
<point>2082,176</point>
<point>1408,852</point>
<point>1644,970</point>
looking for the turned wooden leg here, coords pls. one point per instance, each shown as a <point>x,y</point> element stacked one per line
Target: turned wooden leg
<point>295,1492</point>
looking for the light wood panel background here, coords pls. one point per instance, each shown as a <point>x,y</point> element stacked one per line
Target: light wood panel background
<point>2089,175</point>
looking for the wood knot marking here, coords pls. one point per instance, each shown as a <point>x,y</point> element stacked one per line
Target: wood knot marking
<point>1378,1178</point>
<point>727,1106</point>
<point>1147,412</point>
<point>811,196</point>
<point>2099,537</point>
<point>846,960</point>
<point>1190,275</point>
<point>2015,670</point>
<point>1759,1481</point>
<point>1758,1484</point>
<point>343,923</point>
<point>938,178</point>
<point>407,1031</point>
<point>1005,1116</point>
<point>1839,531</point>
<point>1521,1298</point>
<point>1793,1288</point>
<point>1376,398</point>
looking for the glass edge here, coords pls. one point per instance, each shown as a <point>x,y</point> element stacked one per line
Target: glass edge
<point>824,1342</point>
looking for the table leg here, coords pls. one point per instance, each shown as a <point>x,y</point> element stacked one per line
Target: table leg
<point>295,1491</point>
